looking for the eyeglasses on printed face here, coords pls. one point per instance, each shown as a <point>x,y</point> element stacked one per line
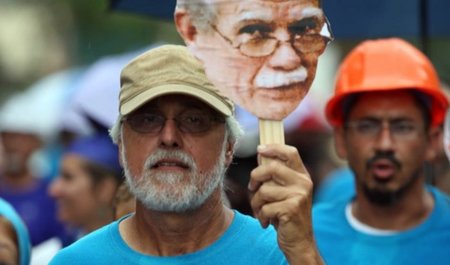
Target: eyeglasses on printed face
<point>309,35</point>
<point>191,122</point>
<point>368,128</point>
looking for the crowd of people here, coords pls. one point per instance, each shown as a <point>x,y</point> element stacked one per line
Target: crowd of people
<point>136,159</point>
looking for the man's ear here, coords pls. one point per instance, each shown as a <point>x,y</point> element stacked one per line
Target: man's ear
<point>339,142</point>
<point>229,154</point>
<point>184,26</point>
<point>435,143</point>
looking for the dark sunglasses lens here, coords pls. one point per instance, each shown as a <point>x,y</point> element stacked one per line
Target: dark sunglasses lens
<point>193,122</point>
<point>146,123</point>
<point>189,122</point>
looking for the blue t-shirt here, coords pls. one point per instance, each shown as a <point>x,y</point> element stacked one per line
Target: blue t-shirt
<point>339,243</point>
<point>244,242</point>
<point>338,185</point>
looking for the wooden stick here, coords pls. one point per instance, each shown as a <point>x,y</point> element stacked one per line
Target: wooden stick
<point>270,132</point>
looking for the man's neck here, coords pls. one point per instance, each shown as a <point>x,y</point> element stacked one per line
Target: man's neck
<point>104,216</point>
<point>170,234</point>
<point>409,211</point>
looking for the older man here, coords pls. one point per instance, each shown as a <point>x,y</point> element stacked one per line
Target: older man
<point>176,135</point>
<point>261,53</point>
<point>385,110</point>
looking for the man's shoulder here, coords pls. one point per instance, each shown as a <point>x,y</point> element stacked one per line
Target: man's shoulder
<point>440,196</point>
<point>336,208</point>
<point>88,247</point>
<point>338,185</point>
<point>247,233</point>
<point>442,207</point>
<point>250,225</point>
<point>327,216</point>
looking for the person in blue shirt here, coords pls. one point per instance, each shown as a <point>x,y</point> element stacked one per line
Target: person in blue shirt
<point>386,111</point>
<point>176,135</point>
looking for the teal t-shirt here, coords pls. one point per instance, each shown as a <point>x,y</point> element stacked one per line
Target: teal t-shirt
<point>244,242</point>
<point>339,243</point>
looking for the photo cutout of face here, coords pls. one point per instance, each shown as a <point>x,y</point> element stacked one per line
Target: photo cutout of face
<point>262,54</point>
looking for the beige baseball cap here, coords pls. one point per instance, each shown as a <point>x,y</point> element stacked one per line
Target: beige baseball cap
<point>168,69</point>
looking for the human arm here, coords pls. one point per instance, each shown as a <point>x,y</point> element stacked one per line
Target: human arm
<point>282,196</point>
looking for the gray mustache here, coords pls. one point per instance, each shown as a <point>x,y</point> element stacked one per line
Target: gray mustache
<point>161,154</point>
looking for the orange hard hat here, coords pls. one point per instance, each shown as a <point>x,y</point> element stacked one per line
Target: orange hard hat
<point>383,65</point>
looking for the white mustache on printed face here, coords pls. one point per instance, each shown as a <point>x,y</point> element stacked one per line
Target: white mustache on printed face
<point>268,78</point>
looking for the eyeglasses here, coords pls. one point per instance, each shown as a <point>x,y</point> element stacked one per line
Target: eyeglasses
<point>399,129</point>
<point>191,122</point>
<point>261,44</point>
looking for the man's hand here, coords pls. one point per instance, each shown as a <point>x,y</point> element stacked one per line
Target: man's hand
<point>282,196</point>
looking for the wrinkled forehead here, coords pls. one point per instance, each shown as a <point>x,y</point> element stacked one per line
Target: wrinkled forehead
<point>312,2</point>
<point>231,14</point>
<point>267,9</point>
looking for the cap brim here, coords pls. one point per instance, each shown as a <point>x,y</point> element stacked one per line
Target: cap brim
<point>203,95</point>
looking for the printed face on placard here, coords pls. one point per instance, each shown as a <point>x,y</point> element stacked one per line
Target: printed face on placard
<point>261,53</point>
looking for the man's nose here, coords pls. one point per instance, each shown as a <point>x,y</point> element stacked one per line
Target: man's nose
<point>284,57</point>
<point>170,134</point>
<point>385,138</point>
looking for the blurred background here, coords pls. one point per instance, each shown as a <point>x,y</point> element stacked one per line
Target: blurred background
<point>70,52</point>
<point>60,62</point>
<point>41,37</point>
<point>38,38</point>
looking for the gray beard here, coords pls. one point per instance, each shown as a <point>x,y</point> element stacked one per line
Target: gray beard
<point>172,193</point>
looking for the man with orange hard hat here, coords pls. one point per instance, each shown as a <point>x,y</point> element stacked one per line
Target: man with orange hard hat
<point>386,110</point>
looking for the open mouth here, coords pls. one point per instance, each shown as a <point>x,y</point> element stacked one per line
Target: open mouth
<point>383,170</point>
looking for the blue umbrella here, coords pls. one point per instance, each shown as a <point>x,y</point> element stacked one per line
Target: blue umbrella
<point>421,19</point>
<point>349,18</point>
<point>387,18</point>
<point>162,9</point>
